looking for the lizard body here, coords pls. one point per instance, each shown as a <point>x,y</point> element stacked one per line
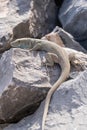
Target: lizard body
<point>55,54</point>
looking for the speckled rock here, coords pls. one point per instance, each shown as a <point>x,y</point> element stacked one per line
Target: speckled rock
<point>26,18</point>
<point>68,40</point>
<point>24,83</point>
<point>68,108</point>
<point>73,18</point>
<point>12,12</point>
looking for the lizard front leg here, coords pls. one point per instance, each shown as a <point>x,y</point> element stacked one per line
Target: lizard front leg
<point>36,47</point>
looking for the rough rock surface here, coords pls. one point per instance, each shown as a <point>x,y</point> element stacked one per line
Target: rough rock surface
<point>24,83</point>
<point>42,17</point>
<point>68,108</point>
<point>73,18</point>
<point>23,79</point>
<point>12,12</point>
<point>68,39</point>
<point>16,18</point>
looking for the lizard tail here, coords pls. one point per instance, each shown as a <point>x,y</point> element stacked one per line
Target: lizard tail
<point>62,78</point>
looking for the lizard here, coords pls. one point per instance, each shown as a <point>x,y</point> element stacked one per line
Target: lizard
<point>55,54</point>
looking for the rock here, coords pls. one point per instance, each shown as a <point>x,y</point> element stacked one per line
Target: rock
<point>24,83</point>
<point>68,39</point>
<point>59,2</point>
<point>12,13</point>
<point>84,43</point>
<point>73,18</point>
<point>42,17</point>
<point>18,13</point>
<point>68,108</point>
<point>21,30</point>
<point>29,18</point>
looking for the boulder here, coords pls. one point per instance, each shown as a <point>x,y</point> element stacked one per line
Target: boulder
<point>26,18</point>
<point>73,18</point>
<point>68,40</point>
<point>24,83</point>
<point>42,17</point>
<point>12,13</point>
<point>68,108</point>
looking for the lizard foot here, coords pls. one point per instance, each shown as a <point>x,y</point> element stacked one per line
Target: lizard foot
<point>79,64</point>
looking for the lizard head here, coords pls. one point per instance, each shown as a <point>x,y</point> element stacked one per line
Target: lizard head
<point>22,43</point>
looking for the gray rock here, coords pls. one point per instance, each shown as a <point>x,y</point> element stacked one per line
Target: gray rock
<point>68,39</point>
<point>26,18</point>
<point>68,108</point>
<point>12,13</point>
<point>42,17</point>
<point>73,16</point>
<point>24,83</point>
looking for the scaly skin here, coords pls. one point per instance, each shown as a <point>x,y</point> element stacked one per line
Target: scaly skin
<point>55,54</point>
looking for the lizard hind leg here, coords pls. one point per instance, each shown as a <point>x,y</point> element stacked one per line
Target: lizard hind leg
<point>51,58</point>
